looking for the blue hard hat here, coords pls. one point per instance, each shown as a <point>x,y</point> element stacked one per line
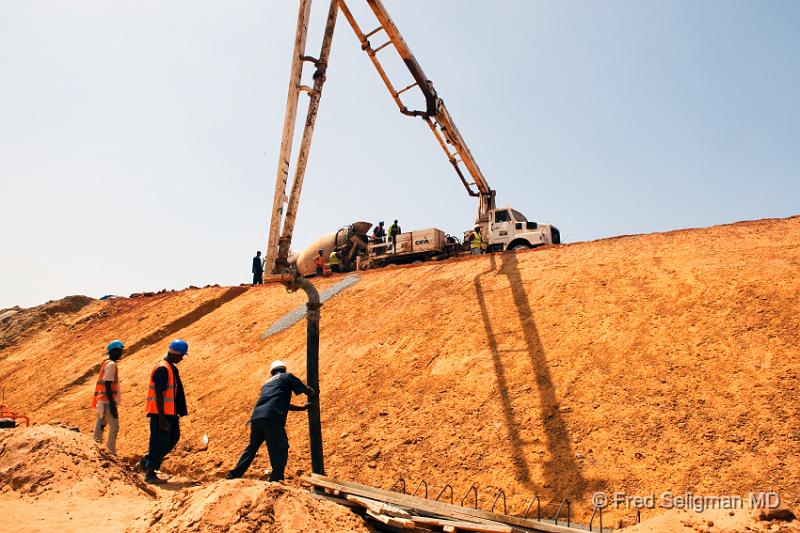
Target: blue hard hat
<point>180,346</point>
<point>115,344</point>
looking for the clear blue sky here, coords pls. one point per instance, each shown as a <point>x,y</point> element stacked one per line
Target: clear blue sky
<point>138,139</point>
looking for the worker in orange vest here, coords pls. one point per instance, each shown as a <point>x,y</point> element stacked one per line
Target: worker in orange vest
<point>319,262</point>
<point>106,397</point>
<point>166,403</point>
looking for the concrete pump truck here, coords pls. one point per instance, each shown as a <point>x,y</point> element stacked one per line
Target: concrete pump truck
<point>501,229</point>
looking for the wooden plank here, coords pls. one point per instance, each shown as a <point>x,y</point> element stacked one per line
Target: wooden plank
<point>428,521</point>
<point>437,508</point>
<point>481,528</point>
<point>393,529</point>
<point>395,498</point>
<point>382,519</point>
<point>371,505</point>
<point>393,510</point>
<point>391,521</point>
<point>461,526</point>
<point>334,499</point>
<point>379,507</point>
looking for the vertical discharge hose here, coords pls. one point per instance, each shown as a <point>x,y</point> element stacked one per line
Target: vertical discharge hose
<point>312,372</point>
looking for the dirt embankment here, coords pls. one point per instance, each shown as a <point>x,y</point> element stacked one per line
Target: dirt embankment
<point>55,479</point>
<point>248,506</point>
<point>16,323</point>
<point>47,460</point>
<point>640,364</point>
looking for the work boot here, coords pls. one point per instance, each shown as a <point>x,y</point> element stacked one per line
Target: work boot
<point>231,475</point>
<point>152,478</point>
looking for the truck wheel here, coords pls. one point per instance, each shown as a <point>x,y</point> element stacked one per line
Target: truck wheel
<point>520,246</point>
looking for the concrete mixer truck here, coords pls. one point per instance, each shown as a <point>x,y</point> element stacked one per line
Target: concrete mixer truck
<point>350,242</point>
<point>359,252</point>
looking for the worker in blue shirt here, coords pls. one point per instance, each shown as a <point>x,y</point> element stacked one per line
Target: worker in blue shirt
<point>268,421</point>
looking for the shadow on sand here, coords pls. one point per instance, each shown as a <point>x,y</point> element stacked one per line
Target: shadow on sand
<point>560,474</point>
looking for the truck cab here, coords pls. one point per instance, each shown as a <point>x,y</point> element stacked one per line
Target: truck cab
<point>508,229</point>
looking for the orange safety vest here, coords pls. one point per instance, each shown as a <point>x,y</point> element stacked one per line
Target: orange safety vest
<point>100,387</point>
<point>319,261</point>
<point>169,394</point>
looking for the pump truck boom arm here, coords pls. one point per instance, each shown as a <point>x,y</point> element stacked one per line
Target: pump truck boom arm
<point>435,115</point>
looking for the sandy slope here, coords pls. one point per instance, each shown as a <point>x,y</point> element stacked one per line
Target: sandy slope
<point>639,364</point>
<point>53,479</point>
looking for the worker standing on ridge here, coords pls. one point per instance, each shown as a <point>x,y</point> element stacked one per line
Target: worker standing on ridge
<point>268,421</point>
<point>335,262</point>
<point>106,397</point>
<point>394,231</point>
<point>319,262</point>
<point>475,241</point>
<point>378,233</point>
<point>166,403</point>
<point>258,269</point>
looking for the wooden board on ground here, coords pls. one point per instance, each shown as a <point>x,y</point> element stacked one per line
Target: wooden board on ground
<point>452,525</point>
<point>480,528</point>
<point>336,500</point>
<point>391,521</point>
<point>379,507</point>
<point>438,508</point>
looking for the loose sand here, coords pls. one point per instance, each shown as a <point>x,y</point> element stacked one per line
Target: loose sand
<point>638,364</point>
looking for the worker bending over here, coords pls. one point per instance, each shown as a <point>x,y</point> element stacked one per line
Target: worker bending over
<point>106,397</point>
<point>268,421</point>
<point>166,403</point>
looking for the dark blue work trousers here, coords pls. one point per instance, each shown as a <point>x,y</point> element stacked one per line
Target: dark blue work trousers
<point>274,434</point>
<point>161,442</point>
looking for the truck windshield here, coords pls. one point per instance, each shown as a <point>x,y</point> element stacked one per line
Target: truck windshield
<point>519,217</point>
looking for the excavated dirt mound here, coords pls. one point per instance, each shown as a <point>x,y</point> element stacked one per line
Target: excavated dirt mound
<point>248,506</point>
<point>16,323</point>
<point>43,460</point>
<point>639,364</point>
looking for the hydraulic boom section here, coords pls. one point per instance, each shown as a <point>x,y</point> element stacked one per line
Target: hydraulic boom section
<point>435,114</point>
<point>283,223</point>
